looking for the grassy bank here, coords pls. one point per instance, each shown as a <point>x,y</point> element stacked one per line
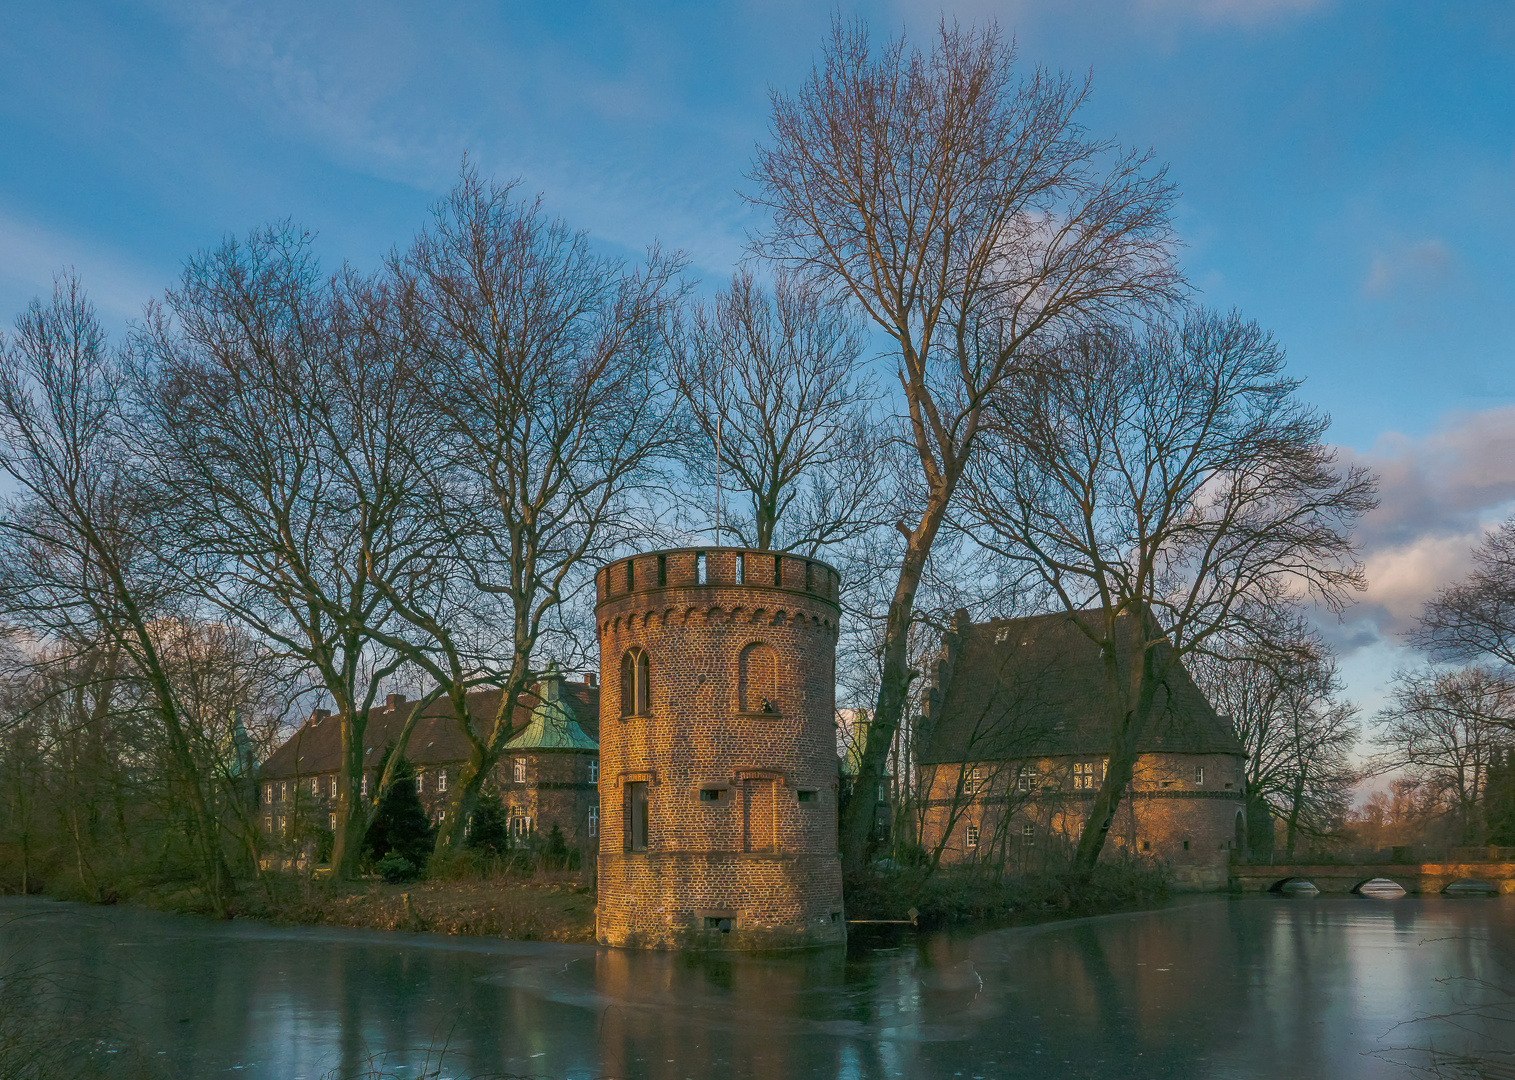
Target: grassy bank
<point>547,907</point>
<point>955,897</point>
<point>493,900</point>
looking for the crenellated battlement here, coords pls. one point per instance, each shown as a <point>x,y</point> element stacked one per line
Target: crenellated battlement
<point>717,567</point>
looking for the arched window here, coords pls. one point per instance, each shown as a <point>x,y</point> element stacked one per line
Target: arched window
<point>757,680</point>
<point>635,695</point>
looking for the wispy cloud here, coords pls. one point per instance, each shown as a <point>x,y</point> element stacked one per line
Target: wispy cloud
<point>32,254</point>
<point>1410,265</point>
<point>1247,12</point>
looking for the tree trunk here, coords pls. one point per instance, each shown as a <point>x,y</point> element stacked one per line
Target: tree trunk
<point>1129,724</point>
<point>858,831</point>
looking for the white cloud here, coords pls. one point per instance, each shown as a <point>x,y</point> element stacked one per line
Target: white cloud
<point>1439,495</point>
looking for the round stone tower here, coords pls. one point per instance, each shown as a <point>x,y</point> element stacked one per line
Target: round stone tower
<point>718,765</point>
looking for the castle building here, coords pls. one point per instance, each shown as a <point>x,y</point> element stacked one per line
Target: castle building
<point>718,763</point>
<point>1014,739</point>
<point>548,775</point>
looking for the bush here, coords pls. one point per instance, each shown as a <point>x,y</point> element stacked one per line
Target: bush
<point>396,869</point>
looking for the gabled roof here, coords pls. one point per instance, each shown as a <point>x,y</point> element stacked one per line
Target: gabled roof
<point>1034,687</point>
<point>317,746</point>
<point>553,725</point>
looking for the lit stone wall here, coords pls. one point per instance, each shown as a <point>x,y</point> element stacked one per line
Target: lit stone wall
<point>742,817</point>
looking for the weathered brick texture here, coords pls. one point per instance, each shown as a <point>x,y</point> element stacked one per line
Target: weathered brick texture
<point>735,740</point>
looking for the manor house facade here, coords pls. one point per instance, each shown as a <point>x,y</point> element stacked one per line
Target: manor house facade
<point>1015,739</point>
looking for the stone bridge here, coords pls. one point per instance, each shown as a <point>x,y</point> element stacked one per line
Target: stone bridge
<point>1424,878</point>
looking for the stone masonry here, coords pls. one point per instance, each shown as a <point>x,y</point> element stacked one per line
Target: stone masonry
<point>718,780</point>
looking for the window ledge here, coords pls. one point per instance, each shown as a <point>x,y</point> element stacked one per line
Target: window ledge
<point>760,716</point>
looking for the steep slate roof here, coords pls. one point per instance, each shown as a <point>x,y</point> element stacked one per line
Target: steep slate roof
<point>435,740</point>
<point>553,725</point>
<point>1034,687</point>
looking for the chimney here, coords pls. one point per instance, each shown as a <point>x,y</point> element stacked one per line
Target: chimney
<point>391,700</point>
<point>589,678</point>
<point>317,715</point>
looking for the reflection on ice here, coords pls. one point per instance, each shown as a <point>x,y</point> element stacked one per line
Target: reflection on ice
<point>1215,987</point>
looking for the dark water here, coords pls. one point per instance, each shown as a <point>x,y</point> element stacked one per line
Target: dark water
<point>1256,987</point>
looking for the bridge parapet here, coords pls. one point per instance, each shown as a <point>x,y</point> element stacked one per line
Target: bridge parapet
<point>1420,878</point>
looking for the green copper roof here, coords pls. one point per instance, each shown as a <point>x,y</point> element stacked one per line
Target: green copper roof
<point>553,725</point>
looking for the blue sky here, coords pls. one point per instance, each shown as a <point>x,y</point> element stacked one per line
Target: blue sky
<point>1348,174</point>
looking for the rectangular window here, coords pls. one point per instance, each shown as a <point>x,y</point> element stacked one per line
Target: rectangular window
<point>631,581</point>
<point>973,775</point>
<point>1023,782</point>
<point>710,794</point>
<point>1028,835</point>
<point>333,787</point>
<point>636,816</point>
<point>973,836</point>
<point>268,824</point>
<point>778,569</point>
<point>441,780</point>
<point>315,786</point>
<point>1199,774</point>
<point>807,795</point>
<point>810,577</point>
<point>365,785</point>
<point>716,922</point>
<point>594,772</point>
<point>520,770</point>
<point>1146,845</point>
<point>1186,845</point>
<point>699,568</point>
<point>420,782</point>
<point>331,822</point>
<point>594,821</point>
<point>741,569</point>
<point>1083,776</point>
<point>662,570</point>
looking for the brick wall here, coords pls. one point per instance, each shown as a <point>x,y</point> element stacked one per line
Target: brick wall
<point>737,747</point>
<point>1170,812</point>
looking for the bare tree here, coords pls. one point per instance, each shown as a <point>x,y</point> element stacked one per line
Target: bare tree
<point>1168,485</point>
<point>288,440</point>
<point>772,384</point>
<point>547,364</point>
<point>1280,690</point>
<point>1474,619</point>
<point>90,561</point>
<point>967,213</point>
<point>1444,728</point>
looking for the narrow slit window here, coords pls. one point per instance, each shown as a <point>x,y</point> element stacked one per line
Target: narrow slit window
<point>741,569</point>
<point>1199,774</point>
<point>630,575</point>
<point>636,816</point>
<point>662,570</point>
<point>699,568</point>
<point>810,577</point>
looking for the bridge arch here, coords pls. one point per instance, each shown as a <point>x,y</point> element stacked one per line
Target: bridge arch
<point>1379,888</point>
<point>1281,885</point>
<point>1467,886</point>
